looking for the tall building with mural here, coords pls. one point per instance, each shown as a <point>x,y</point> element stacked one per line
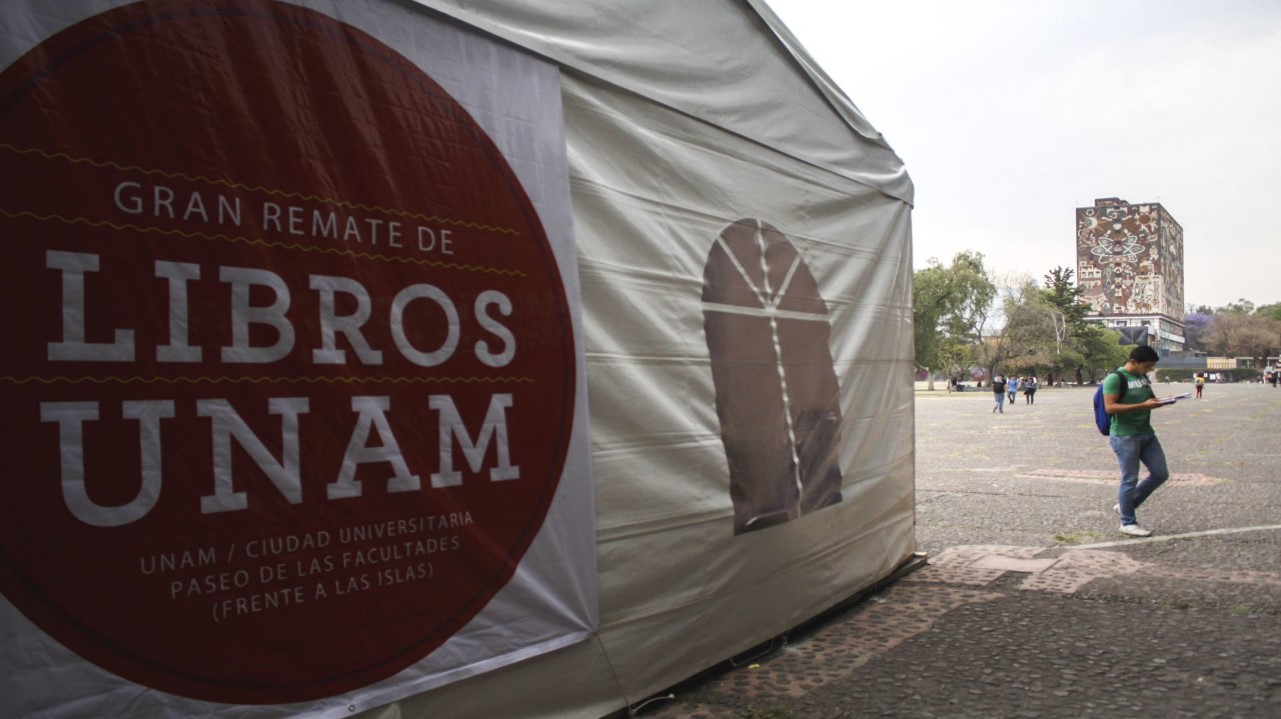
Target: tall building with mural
<point>1129,260</point>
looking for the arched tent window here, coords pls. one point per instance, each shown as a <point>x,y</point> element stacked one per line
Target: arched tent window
<point>776,393</point>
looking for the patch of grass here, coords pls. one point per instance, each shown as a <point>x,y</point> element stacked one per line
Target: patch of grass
<point>1076,537</point>
<point>767,713</point>
<point>1187,604</point>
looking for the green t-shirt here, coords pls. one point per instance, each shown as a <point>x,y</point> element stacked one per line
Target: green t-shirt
<point>1138,389</point>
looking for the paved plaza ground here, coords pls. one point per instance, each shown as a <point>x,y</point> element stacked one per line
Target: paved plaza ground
<point>1032,604</point>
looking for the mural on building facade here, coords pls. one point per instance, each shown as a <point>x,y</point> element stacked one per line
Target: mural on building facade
<point>1130,259</point>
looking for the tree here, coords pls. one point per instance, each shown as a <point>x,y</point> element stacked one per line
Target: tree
<point>949,305</point>
<point>1240,307</point>
<point>1237,329</point>
<point>1194,327</point>
<point>1076,337</point>
<point>1239,334</point>
<point>1101,349</point>
<point>1066,296</point>
<point>1033,331</point>
<point>931,300</point>
<point>1272,311</point>
<point>1051,331</point>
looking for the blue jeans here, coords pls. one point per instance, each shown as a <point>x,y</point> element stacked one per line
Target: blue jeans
<point>1000,403</point>
<point>1130,451</point>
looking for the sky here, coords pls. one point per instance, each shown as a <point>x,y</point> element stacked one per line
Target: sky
<point>1010,114</point>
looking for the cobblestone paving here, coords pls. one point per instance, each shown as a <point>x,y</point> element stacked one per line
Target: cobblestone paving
<point>987,671</point>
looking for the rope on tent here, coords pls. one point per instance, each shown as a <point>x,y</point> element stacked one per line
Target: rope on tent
<point>774,643</point>
<point>632,711</point>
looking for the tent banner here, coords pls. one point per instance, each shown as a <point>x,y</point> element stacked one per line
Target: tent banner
<point>291,368</point>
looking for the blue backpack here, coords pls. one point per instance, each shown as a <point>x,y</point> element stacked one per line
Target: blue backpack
<point>1102,419</point>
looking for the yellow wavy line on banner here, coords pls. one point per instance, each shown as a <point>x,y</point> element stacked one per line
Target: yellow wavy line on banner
<point>260,380</point>
<point>263,243</point>
<point>254,188</point>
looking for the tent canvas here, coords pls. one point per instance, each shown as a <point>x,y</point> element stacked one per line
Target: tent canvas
<point>733,239</point>
<point>681,123</point>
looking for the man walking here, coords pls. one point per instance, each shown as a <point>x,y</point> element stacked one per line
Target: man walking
<point>998,388</point>
<point>1128,398</point>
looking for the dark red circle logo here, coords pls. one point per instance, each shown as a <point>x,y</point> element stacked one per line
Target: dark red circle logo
<point>287,368</point>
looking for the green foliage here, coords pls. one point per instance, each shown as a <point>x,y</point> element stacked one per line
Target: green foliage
<point>1272,311</point>
<point>768,713</point>
<point>1047,329</point>
<point>1064,295</point>
<point>1187,374</point>
<point>948,308</point>
<point>1044,330</point>
<point>1103,349</point>
<point>1034,333</point>
<point>1240,307</point>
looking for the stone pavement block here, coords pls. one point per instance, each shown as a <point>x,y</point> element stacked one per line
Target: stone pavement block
<point>1013,564</point>
<point>954,574</point>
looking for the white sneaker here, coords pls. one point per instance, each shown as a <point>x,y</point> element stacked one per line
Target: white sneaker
<point>1135,530</point>
<point>1117,508</point>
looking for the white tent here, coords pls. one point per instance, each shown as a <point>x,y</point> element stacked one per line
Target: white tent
<point>733,240</point>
